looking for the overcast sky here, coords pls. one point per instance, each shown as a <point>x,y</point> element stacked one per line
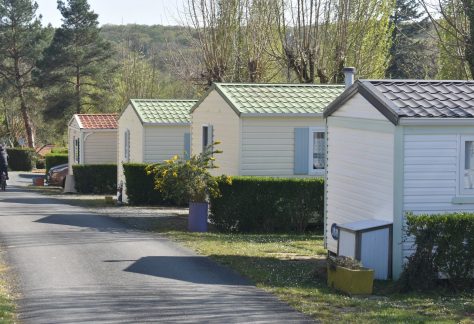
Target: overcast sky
<point>147,12</point>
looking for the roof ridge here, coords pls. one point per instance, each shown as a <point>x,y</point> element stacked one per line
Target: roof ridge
<point>415,80</point>
<point>278,84</point>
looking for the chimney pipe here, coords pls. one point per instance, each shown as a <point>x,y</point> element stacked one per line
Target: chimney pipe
<point>349,76</point>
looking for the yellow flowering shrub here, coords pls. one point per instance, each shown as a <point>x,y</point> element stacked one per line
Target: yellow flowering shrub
<point>185,181</point>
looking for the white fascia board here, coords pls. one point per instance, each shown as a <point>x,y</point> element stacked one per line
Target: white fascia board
<point>417,121</point>
<point>95,130</point>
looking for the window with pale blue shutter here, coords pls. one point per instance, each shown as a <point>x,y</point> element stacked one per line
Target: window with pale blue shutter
<point>301,158</point>
<point>207,137</point>
<point>187,146</point>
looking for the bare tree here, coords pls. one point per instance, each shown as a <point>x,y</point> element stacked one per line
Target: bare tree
<point>320,37</point>
<point>453,21</point>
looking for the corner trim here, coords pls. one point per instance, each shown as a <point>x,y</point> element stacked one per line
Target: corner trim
<point>398,216</point>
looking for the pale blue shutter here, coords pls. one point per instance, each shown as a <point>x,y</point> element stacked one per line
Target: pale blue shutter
<point>301,158</point>
<point>210,136</point>
<point>187,146</point>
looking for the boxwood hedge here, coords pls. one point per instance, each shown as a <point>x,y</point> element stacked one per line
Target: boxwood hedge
<point>443,243</point>
<point>140,186</point>
<point>262,204</point>
<point>96,178</point>
<point>53,159</point>
<point>21,159</point>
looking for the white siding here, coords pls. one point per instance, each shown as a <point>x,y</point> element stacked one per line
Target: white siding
<point>268,144</point>
<point>129,120</point>
<point>431,170</point>
<point>73,133</point>
<point>215,111</point>
<point>163,142</point>
<point>360,175</point>
<point>100,147</point>
<point>358,107</point>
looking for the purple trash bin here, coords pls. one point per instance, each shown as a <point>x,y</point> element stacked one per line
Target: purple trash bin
<point>197,220</point>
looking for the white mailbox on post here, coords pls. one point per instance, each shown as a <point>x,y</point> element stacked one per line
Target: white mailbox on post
<point>370,242</point>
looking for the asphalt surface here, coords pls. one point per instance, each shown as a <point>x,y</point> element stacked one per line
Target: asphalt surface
<point>72,266</point>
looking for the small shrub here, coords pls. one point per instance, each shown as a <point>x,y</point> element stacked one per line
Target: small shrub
<point>444,244</point>
<point>40,163</point>
<point>53,159</point>
<point>140,186</point>
<point>345,262</point>
<point>263,204</point>
<point>59,150</point>
<point>96,178</point>
<point>21,159</point>
<point>185,181</point>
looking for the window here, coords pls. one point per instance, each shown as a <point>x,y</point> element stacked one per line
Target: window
<point>467,165</point>
<point>126,149</point>
<point>207,137</point>
<point>77,153</point>
<point>317,150</point>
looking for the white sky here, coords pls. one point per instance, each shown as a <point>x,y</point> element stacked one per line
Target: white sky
<point>146,12</point>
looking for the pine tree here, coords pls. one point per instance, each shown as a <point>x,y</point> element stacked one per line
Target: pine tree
<point>77,63</point>
<point>21,44</point>
<point>406,52</point>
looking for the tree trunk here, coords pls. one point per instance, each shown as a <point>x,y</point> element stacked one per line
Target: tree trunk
<point>78,91</point>
<point>30,137</point>
<point>27,120</point>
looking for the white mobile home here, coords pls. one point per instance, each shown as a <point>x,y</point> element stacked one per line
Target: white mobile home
<point>264,129</point>
<point>398,146</point>
<point>152,130</point>
<point>92,139</point>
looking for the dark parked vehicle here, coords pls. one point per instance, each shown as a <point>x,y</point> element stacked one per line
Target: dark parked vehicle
<point>57,175</point>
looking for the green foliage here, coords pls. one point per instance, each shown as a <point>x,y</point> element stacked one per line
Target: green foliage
<point>140,186</point>
<point>411,52</point>
<point>59,150</point>
<point>186,181</point>
<point>77,64</point>
<point>95,178</point>
<point>256,204</point>
<point>40,163</point>
<point>444,244</point>
<point>53,159</point>
<point>21,159</point>
<point>21,42</point>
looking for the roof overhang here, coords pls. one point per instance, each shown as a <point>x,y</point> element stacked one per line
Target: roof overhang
<point>430,121</point>
<point>372,95</point>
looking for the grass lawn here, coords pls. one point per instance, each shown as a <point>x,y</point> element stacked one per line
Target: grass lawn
<point>7,307</point>
<point>293,268</point>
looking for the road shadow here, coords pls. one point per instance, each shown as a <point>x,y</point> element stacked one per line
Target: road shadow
<point>97,222</point>
<point>29,200</point>
<point>193,269</point>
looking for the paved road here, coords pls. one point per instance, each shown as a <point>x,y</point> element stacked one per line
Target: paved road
<point>73,266</point>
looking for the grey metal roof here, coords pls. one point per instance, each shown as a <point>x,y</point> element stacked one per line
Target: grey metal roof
<point>414,98</point>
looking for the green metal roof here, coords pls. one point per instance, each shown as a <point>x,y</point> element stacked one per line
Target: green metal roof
<point>163,111</point>
<point>280,99</point>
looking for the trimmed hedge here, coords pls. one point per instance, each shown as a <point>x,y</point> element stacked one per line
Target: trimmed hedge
<point>444,244</point>
<point>59,150</point>
<point>140,186</point>
<point>262,204</point>
<point>53,159</point>
<point>96,178</point>
<point>21,159</point>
